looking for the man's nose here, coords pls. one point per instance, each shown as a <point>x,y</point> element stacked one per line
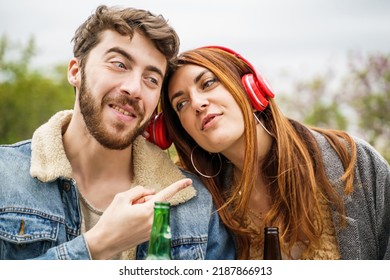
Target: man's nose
<point>131,85</point>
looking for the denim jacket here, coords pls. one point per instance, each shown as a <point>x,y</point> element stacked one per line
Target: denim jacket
<point>40,215</point>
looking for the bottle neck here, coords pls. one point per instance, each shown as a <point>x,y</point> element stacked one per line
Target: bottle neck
<point>160,238</point>
<point>271,244</point>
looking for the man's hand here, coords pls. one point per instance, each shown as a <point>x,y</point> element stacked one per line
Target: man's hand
<point>127,221</point>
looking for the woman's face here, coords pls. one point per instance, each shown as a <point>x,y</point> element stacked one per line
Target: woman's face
<point>206,109</point>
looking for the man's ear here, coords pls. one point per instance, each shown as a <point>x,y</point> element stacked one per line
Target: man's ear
<point>74,72</point>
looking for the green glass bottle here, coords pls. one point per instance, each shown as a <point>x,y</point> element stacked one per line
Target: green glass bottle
<point>160,237</point>
<point>271,244</point>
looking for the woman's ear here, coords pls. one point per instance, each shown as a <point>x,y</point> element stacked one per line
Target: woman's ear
<point>74,72</point>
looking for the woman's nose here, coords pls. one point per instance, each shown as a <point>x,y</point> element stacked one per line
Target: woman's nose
<point>199,102</point>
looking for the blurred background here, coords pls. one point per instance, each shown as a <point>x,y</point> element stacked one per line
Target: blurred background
<point>327,60</point>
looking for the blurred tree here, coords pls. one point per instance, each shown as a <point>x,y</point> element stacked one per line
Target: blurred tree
<point>28,97</point>
<point>368,89</point>
<point>314,102</point>
<point>358,103</point>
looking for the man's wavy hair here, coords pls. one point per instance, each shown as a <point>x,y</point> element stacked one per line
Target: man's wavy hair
<point>125,21</point>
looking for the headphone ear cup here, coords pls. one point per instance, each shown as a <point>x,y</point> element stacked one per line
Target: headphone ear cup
<point>158,133</point>
<point>255,93</point>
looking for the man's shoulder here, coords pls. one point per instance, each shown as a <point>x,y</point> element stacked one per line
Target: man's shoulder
<point>200,188</point>
<point>17,144</point>
<point>11,152</point>
<point>14,167</point>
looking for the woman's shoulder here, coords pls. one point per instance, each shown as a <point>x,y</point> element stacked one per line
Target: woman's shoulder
<point>366,152</point>
<point>368,159</point>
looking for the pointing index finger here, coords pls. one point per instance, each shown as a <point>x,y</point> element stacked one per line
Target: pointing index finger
<point>167,193</point>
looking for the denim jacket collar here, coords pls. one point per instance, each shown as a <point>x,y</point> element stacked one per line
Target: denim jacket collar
<point>151,164</point>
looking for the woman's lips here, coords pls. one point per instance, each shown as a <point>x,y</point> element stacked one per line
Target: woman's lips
<point>207,120</point>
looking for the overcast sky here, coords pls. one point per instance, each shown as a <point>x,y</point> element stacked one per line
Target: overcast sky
<point>282,38</point>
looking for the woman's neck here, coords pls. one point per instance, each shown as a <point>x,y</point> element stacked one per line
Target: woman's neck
<point>236,153</point>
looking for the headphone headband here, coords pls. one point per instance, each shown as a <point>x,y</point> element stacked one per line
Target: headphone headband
<point>263,84</point>
<point>236,54</point>
<point>254,84</point>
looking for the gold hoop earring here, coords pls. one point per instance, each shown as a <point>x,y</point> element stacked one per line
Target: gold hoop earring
<point>200,173</point>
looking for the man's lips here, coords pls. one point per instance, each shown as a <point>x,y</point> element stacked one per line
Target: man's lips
<point>125,110</point>
<point>207,119</point>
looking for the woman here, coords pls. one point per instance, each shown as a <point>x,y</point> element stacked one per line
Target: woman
<point>327,192</point>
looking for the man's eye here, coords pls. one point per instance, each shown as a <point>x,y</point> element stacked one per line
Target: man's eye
<point>153,80</point>
<point>119,64</point>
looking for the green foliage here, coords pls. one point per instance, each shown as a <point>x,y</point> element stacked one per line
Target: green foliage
<point>357,103</point>
<point>369,91</point>
<point>316,104</point>
<point>28,97</point>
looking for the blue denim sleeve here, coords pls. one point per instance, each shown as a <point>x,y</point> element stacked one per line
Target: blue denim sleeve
<point>220,245</point>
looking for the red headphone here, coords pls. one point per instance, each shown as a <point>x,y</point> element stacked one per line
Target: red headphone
<point>254,84</point>
<point>158,133</point>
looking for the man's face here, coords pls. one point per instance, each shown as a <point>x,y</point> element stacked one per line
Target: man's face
<point>120,88</point>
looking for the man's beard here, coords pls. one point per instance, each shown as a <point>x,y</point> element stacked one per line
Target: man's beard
<point>91,112</point>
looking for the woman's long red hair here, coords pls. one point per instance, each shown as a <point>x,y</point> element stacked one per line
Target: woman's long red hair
<point>294,167</point>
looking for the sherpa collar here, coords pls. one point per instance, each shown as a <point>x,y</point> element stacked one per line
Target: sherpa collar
<point>152,167</point>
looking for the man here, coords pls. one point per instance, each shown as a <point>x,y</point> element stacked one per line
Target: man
<point>84,186</point>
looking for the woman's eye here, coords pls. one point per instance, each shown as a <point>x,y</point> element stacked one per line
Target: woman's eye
<point>209,83</point>
<point>180,105</point>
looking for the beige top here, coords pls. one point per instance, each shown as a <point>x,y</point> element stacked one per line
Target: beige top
<point>328,249</point>
<point>90,217</point>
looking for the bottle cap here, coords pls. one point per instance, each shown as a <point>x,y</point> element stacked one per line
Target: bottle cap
<point>274,230</point>
<point>161,204</point>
